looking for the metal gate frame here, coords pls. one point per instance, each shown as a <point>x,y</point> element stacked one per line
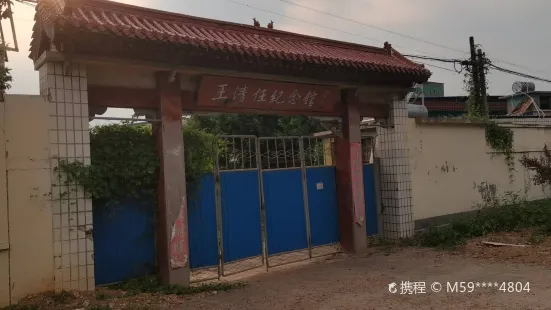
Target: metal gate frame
<point>302,168</point>
<point>218,197</point>
<point>258,166</point>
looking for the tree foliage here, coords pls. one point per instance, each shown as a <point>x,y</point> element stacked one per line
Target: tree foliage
<point>540,166</point>
<point>124,164</point>
<point>260,125</point>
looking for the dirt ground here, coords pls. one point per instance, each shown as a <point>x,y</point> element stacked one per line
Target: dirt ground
<point>361,282</point>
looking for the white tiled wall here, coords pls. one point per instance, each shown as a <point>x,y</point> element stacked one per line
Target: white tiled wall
<point>396,190</point>
<point>66,90</point>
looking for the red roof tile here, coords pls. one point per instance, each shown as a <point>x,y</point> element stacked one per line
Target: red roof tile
<point>107,17</point>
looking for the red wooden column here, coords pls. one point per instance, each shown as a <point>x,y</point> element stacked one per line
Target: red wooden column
<point>350,181</point>
<point>172,233</point>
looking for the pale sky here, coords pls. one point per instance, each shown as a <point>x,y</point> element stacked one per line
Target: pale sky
<point>509,30</point>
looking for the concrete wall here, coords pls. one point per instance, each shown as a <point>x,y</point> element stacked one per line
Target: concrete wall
<point>453,168</point>
<point>4,229</point>
<point>25,203</point>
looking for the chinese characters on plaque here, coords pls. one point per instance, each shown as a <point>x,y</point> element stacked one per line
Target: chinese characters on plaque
<point>357,184</point>
<point>266,95</point>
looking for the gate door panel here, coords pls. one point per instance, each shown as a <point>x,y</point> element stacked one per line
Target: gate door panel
<point>285,220</point>
<point>322,195</point>
<point>203,231</point>
<point>284,200</point>
<point>322,201</point>
<point>238,204</point>
<point>241,215</point>
<point>371,216</point>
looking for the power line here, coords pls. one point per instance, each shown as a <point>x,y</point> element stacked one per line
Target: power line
<point>435,66</point>
<point>490,65</point>
<point>395,32</point>
<point>519,66</point>
<point>302,20</point>
<point>316,24</point>
<point>450,60</point>
<point>524,75</point>
<point>372,26</point>
<point>355,34</point>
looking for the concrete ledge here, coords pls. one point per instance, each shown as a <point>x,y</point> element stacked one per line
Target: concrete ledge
<point>449,122</point>
<point>4,246</point>
<point>424,224</point>
<point>466,122</point>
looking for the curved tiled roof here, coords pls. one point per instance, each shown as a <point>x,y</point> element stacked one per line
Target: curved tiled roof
<point>107,17</point>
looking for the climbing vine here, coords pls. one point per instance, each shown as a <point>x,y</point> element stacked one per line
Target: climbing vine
<point>124,164</point>
<point>501,140</point>
<point>474,108</point>
<point>475,105</point>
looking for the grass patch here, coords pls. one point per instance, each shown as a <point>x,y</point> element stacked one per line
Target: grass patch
<point>98,308</point>
<point>152,285</point>
<point>17,307</point>
<point>102,296</point>
<point>62,297</point>
<point>507,218</point>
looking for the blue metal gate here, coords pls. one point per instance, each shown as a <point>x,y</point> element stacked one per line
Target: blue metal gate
<point>270,201</point>
<point>371,216</point>
<point>299,197</point>
<point>370,187</point>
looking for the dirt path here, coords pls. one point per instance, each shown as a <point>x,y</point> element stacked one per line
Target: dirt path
<point>362,283</point>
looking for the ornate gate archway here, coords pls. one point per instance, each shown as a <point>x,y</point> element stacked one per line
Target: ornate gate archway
<point>96,53</point>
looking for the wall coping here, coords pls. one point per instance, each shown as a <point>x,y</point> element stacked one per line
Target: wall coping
<point>449,122</point>
<point>470,123</point>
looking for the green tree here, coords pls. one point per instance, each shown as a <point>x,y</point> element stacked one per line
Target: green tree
<point>260,125</point>
<point>124,163</point>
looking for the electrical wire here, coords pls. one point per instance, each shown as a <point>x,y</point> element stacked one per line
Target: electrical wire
<point>33,3</point>
<point>316,24</point>
<point>301,20</point>
<point>450,60</point>
<point>524,75</point>
<point>454,61</point>
<point>435,66</point>
<point>395,32</point>
<point>446,60</point>
<point>371,26</point>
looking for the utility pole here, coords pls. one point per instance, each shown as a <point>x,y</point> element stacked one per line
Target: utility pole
<point>475,72</point>
<point>482,72</point>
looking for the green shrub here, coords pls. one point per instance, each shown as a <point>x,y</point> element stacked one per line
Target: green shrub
<point>124,164</point>
<point>507,218</point>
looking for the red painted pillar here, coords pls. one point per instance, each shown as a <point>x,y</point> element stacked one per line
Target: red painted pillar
<point>350,182</point>
<point>172,233</point>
